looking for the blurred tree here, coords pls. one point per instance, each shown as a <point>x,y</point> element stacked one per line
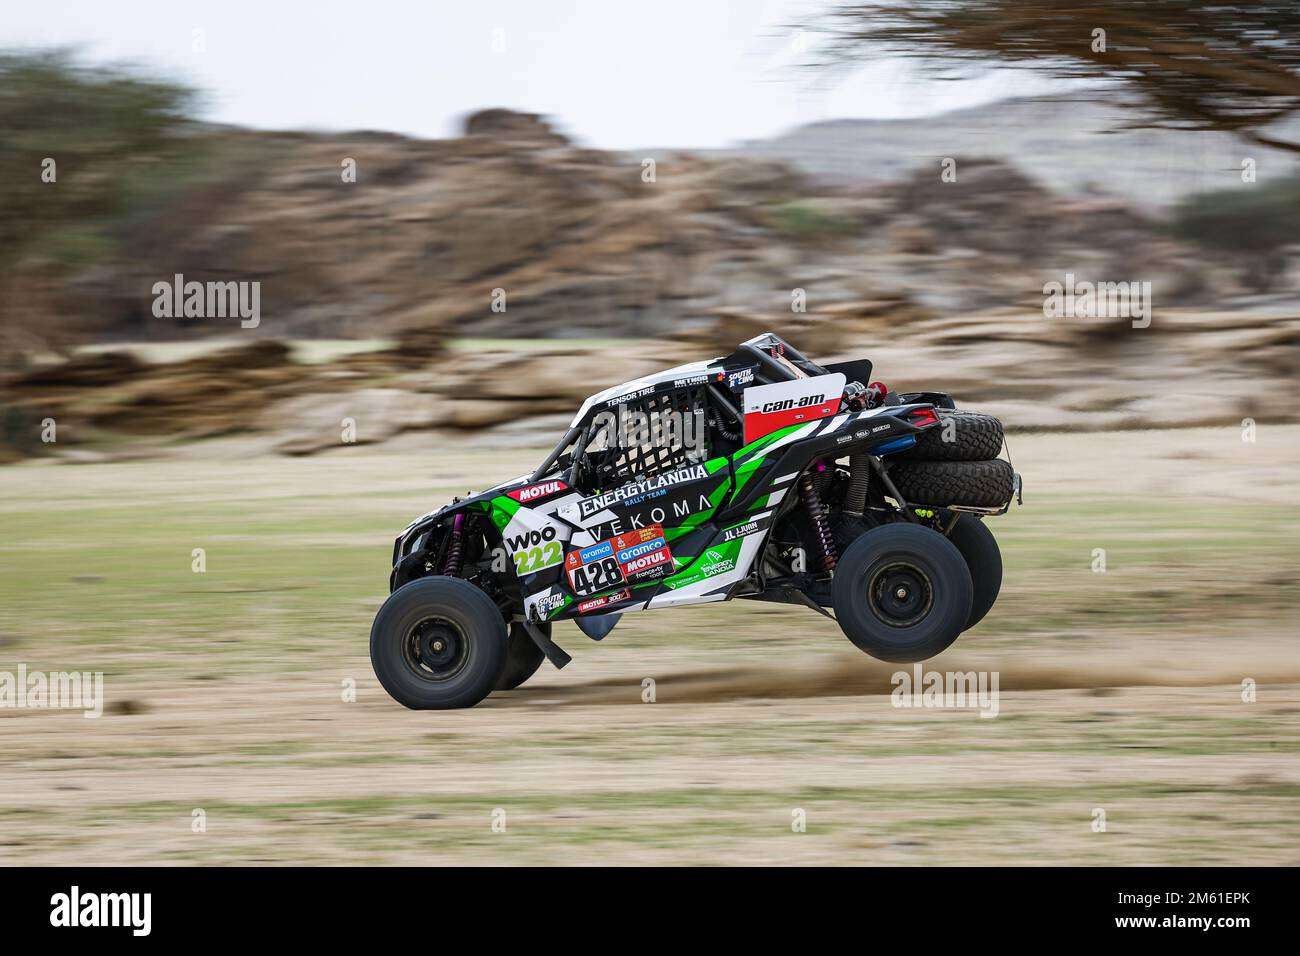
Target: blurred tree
<point>1198,64</point>
<point>1257,223</point>
<point>105,130</point>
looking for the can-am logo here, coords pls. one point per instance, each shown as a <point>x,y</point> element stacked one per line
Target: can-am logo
<point>535,492</point>
<point>789,403</point>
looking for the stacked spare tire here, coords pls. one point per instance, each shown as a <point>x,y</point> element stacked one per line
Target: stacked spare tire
<point>956,463</point>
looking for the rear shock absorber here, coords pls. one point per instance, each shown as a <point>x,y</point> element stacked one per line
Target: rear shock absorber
<point>855,498</point>
<point>824,540</point>
<point>451,564</point>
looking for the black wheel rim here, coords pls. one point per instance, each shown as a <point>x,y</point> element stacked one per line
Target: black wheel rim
<point>436,649</point>
<point>900,594</point>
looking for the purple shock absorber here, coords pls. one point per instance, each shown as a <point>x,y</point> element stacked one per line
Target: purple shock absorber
<point>455,547</point>
<point>812,502</point>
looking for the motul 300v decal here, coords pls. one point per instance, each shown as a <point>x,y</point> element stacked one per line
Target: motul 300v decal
<point>605,600</point>
<point>769,407</point>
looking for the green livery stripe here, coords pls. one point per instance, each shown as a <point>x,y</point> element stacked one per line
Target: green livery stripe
<point>746,471</point>
<point>565,603</point>
<point>504,508</point>
<point>712,560</point>
<point>760,443</point>
<point>693,521</point>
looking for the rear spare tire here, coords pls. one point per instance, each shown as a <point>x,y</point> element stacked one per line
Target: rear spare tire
<point>977,484</point>
<point>959,436</point>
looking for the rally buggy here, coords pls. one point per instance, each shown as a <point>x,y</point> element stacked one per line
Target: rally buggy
<point>759,475</point>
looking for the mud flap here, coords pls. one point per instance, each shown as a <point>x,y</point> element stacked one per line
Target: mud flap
<point>553,653</point>
<point>597,627</point>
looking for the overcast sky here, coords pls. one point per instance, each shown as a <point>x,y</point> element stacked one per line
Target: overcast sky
<point>613,74</point>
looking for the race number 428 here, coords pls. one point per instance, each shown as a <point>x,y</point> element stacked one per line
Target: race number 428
<point>597,576</point>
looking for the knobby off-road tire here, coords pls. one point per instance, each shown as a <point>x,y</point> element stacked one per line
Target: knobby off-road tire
<point>975,437</point>
<point>523,657</point>
<point>979,484</point>
<point>902,593</point>
<point>438,643</point>
<point>979,548</point>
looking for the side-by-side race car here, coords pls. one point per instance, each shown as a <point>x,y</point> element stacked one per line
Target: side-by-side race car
<point>759,475</point>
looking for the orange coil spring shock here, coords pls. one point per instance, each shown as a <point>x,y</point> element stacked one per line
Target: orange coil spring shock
<point>824,540</point>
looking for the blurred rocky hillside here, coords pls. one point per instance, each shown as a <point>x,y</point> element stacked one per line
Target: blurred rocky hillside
<point>582,245</point>
<point>941,283</point>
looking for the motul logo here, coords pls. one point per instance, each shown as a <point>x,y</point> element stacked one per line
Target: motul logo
<point>533,492</point>
<point>649,561</point>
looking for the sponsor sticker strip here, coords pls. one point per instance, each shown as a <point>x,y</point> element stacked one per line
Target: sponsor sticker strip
<point>605,600</point>
<point>630,558</point>
<point>590,506</point>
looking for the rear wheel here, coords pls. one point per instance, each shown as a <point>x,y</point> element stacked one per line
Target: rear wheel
<point>438,643</point>
<point>984,561</point>
<point>902,593</point>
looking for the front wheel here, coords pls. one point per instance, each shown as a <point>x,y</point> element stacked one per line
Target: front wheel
<point>438,643</point>
<point>902,593</point>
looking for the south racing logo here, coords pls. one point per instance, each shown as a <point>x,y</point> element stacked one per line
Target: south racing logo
<point>76,909</point>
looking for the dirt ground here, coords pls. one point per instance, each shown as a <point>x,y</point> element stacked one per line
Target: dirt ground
<point>1148,713</point>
